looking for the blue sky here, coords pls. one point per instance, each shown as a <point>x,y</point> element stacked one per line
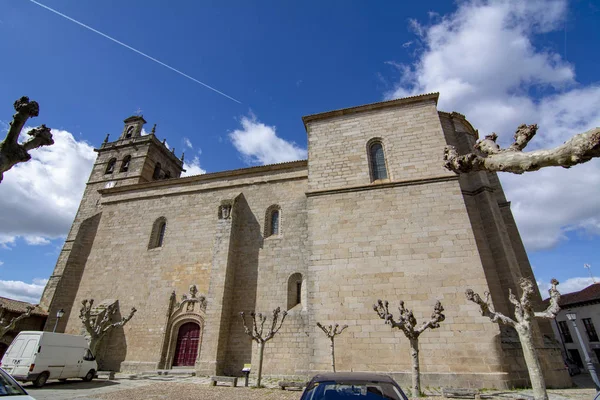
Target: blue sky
<point>501,63</point>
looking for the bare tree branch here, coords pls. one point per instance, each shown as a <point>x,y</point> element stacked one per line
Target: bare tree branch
<point>11,152</point>
<point>553,308</point>
<point>524,315</point>
<point>406,323</point>
<point>6,327</point>
<point>488,156</point>
<point>256,333</point>
<point>487,309</point>
<point>98,321</point>
<point>331,333</point>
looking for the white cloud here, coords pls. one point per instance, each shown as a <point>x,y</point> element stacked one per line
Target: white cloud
<point>187,143</point>
<point>39,198</point>
<point>1,263</point>
<point>193,168</point>
<point>259,143</point>
<point>483,61</point>
<point>569,286</point>
<point>18,290</point>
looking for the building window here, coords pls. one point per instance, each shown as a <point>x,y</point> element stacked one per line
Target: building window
<point>574,355</point>
<point>110,167</point>
<point>157,236</point>
<point>129,132</point>
<point>564,331</point>
<point>273,221</point>
<point>589,328</point>
<point>125,164</point>
<point>294,290</point>
<point>167,175</point>
<point>156,173</point>
<point>377,161</point>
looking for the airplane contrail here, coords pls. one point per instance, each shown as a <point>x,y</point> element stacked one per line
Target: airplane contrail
<point>137,51</point>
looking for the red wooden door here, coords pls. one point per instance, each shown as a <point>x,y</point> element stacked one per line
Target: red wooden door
<point>186,350</point>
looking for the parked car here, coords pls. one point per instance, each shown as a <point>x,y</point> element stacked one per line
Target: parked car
<point>572,367</point>
<point>10,387</point>
<point>38,356</point>
<point>353,386</point>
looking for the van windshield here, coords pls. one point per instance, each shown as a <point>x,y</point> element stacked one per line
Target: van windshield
<point>8,387</point>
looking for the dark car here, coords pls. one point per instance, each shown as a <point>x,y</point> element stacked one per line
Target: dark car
<point>352,385</point>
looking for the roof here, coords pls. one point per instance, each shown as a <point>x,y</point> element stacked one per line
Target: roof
<point>352,377</point>
<point>20,306</point>
<point>587,295</point>
<point>372,106</point>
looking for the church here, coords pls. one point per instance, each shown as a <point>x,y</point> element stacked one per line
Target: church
<point>372,214</point>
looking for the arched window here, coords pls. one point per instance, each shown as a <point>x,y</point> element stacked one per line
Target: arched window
<point>125,164</point>
<point>294,290</point>
<point>273,221</point>
<point>156,173</point>
<point>129,132</point>
<point>167,175</point>
<point>110,167</point>
<point>157,236</point>
<point>377,161</point>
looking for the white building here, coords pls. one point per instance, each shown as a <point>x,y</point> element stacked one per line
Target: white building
<point>586,305</point>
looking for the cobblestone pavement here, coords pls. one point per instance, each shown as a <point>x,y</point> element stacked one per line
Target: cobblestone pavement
<point>197,388</point>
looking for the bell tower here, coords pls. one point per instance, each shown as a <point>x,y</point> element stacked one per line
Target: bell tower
<point>133,127</point>
<point>131,159</point>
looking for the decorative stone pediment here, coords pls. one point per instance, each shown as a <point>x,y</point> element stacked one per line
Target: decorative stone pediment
<point>190,303</point>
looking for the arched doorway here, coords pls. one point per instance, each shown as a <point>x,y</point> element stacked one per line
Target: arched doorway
<point>186,350</point>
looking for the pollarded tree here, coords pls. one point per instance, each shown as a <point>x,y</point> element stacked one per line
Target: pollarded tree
<point>524,315</point>
<point>407,323</point>
<point>98,321</point>
<point>11,151</point>
<point>332,331</point>
<point>257,330</point>
<point>5,325</point>
<point>488,156</point>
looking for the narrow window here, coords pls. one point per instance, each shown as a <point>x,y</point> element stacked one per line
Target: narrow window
<point>298,292</point>
<point>589,328</point>
<point>275,222</point>
<point>110,167</point>
<point>156,173</point>
<point>125,164</point>
<point>129,132</point>
<point>294,290</point>
<point>377,159</point>
<point>161,234</point>
<point>564,331</point>
<point>157,236</point>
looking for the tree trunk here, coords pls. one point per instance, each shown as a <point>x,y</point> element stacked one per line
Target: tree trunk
<point>416,379</point>
<point>261,349</point>
<point>332,355</point>
<point>533,363</point>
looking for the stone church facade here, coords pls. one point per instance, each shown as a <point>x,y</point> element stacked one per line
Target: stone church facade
<point>371,214</point>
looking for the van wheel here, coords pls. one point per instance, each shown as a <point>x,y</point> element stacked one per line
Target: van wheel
<point>89,376</point>
<point>41,380</point>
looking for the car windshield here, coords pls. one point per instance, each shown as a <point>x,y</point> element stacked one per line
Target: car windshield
<point>352,391</point>
<point>8,387</point>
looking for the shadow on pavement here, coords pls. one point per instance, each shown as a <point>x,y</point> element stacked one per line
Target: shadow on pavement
<point>583,381</point>
<point>72,385</point>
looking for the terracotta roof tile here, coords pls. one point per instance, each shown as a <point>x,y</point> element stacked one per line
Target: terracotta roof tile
<point>20,306</point>
<point>589,294</point>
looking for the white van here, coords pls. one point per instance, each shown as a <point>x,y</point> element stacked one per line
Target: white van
<point>38,356</point>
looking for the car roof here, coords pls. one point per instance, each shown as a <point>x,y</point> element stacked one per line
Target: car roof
<point>352,376</point>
